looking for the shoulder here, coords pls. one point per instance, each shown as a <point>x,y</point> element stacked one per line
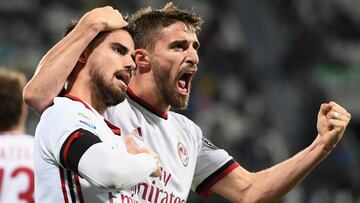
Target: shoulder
<point>63,105</point>
<point>185,122</point>
<point>27,137</point>
<point>62,114</point>
<point>121,108</point>
<point>19,138</point>
<point>25,140</point>
<point>181,118</point>
<point>63,118</point>
<point>64,109</point>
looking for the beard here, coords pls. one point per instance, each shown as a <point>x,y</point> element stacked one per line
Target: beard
<point>167,88</point>
<point>107,93</point>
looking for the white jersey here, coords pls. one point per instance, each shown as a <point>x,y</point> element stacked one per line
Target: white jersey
<point>188,160</point>
<point>53,183</point>
<point>16,168</point>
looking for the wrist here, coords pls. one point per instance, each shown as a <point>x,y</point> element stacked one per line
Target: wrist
<point>90,26</point>
<point>325,147</point>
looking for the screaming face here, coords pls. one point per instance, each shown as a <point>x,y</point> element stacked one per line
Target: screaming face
<point>174,64</point>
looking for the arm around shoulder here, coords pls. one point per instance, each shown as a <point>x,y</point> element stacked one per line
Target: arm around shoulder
<point>57,64</point>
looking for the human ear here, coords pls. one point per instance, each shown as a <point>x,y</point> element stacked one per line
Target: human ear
<point>142,60</point>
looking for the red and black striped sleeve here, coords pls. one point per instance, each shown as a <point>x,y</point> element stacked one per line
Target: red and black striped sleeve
<point>204,188</point>
<point>75,146</point>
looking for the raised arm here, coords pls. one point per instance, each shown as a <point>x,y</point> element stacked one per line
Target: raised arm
<point>271,184</point>
<point>57,64</point>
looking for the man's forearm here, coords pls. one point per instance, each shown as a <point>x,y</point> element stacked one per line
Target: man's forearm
<point>56,66</point>
<point>271,184</point>
<point>118,169</point>
<point>275,182</point>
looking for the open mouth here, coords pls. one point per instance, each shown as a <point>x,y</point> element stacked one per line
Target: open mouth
<point>184,82</point>
<point>123,76</point>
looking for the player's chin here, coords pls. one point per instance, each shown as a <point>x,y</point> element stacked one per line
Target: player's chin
<point>116,97</point>
<point>181,102</point>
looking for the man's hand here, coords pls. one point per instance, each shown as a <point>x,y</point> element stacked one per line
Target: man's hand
<point>104,19</point>
<point>331,124</point>
<point>135,149</point>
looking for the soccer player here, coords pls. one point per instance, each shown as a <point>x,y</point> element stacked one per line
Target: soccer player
<point>79,156</point>
<point>166,57</point>
<point>16,147</point>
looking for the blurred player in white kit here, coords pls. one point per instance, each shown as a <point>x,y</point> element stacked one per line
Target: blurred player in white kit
<point>16,147</point>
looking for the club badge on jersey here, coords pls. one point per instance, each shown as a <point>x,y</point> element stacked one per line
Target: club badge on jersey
<point>183,153</point>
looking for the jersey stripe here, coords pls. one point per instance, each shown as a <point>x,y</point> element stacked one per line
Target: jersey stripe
<point>75,135</point>
<point>78,188</point>
<point>204,188</point>
<point>146,105</point>
<point>110,198</point>
<point>114,129</point>
<point>61,171</point>
<point>71,186</point>
<point>77,99</point>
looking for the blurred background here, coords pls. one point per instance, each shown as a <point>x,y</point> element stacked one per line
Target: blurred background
<point>265,68</point>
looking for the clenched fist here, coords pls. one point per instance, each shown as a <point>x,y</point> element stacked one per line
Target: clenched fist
<point>332,122</point>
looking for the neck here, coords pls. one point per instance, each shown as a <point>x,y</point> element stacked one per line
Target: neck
<point>17,129</point>
<point>80,87</point>
<point>98,105</point>
<point>82,92</point>
<point>147,92</point>
<point>20,126</point>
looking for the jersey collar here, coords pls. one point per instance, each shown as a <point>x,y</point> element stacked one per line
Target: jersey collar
<point>116,130</point>
<point>146,105</point>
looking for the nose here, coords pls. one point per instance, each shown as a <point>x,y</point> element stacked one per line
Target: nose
<point>192,57</point>
<point>130,63</point>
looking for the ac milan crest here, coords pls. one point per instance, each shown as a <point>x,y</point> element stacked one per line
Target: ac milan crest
<point>183,154</point>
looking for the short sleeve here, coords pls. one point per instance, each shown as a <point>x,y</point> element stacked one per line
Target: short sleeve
<point>211,166</point>
<point>58,122</point>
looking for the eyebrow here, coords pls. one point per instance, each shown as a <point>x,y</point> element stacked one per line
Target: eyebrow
<point>117,45</point>
<point>196,44</point>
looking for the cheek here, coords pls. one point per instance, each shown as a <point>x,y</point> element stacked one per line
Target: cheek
<point>171,66</point>
<point>97,60</point>
<point>111,63</point>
